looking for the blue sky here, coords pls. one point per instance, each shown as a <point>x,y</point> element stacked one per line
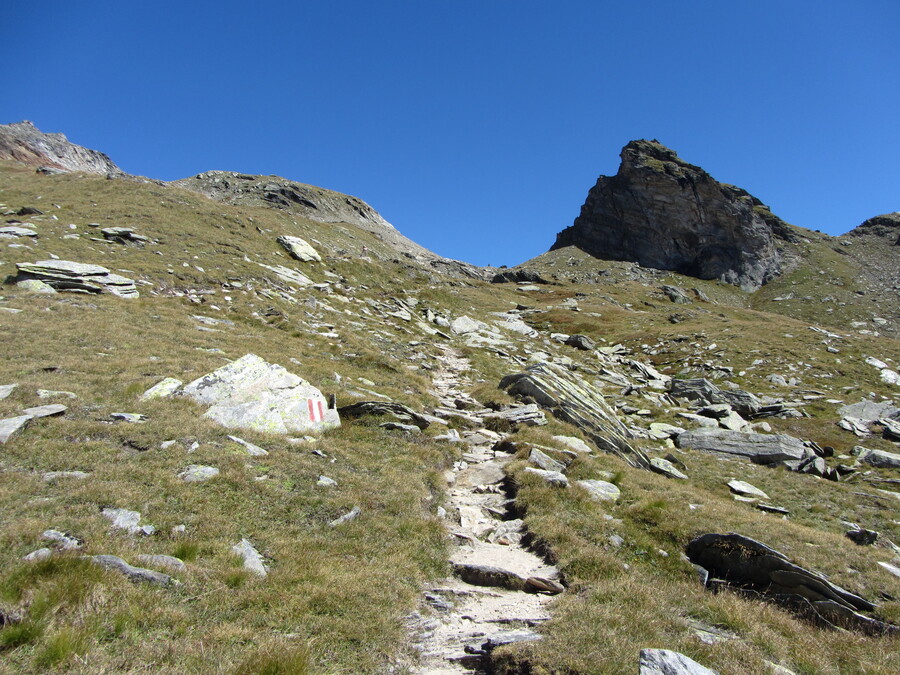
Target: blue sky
<point>476,128</point>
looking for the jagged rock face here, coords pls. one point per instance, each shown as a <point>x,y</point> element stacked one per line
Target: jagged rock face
<point>25,143</point>
<point>661,212</point>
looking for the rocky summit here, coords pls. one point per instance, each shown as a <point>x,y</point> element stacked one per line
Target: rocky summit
<point>247,426</point>
<point>661,212</point>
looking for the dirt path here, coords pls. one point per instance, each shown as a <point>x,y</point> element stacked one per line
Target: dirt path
<point>500,591</point>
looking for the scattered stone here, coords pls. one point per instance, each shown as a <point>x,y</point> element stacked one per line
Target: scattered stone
<point>123,519</point>
<point>742,488</point>
<point>666,468</point>
<point>676,295</point>
<point>325,481</point>
<point>162,389</point>
<point>133,418</point>
<point>770,508</point>
<point>38,555</point>
<point>526,414</point>
<point>63,541</point>
<point>299,249</point>
<point>893,569</point>
<point>760,448</point>
<point>487,575</point>
<point>6,390</point>
<point>544,461</point>
<point>574,443</point>
<point>49,393</point>
<point>878,458</point>
<point>13,232</point>
<point>252,394</point>
<point>351,515</point>
<point>582,342</point>
<point>65,275</point>
<point>661,430</point>
<point>12,425</point>
<point>123,235</point>
<point>165,561</point>
<point>666,662</point>
<point>869,411</point>
<point>464,325</point>
<point>252,450</point>
<point>35,286</point>
<point>136,574</point>
<point>253,561</point>
<point>50,410</point>
<point>600,490</point>
<point>398,411</point>
<point>51,476</point>
<point>196,473</point>
<point>554,478</point>
<point>398,426</point>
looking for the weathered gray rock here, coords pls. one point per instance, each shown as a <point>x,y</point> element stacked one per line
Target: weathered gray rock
<point>52,476</point>
<point>63,541</point>
<point>879,458</point>
<point>325,481</point>
<point>136,574</point>
<point>25,143</point>
<point>666,662</point>
<point>50,393</point>
<point>487,575</point>
<point>165,561</point>
<point>123,235</point>
<point>701,389</point>
<point>463,325</point>
<point>743,488</point>
<point>574,443</point>
<point>760,448</point>
<point>749,564</point>
<point>582,342</point>
<point>35,286</point>
<point>666,468</point>
<point>131,418</point>
<point>600,490</point>
<point>544,461</point>
<point>51,410</point>
<point>869,411</point>
<point>351,515</point>
<point>661,212</point>
<point>38,555</point>
<point>252,394</point>
<point>575,401</point>
<point>197,473</point>
<point>66,275</point>
<point>398,411</point>
<point>13,232</point>
<point>123,519</point>
<point>10,426</point>
<point>554,478</point>
<point>676,295</point>
<point>524,414</point>
<point>253,561</point>
<point>6,390</point>
<point>252,449</point>
<point>162,389</point>
<point>299,249</point>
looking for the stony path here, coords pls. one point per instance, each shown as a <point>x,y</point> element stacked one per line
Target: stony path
<point>500,591</point>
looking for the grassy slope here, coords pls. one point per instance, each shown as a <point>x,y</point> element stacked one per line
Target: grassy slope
<point>335,599</point>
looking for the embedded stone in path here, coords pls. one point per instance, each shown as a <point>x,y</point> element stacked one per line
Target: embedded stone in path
<point>66,275</point>
<point>250,393</point>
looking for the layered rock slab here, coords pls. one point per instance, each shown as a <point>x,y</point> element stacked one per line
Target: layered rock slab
<point>67,275</point>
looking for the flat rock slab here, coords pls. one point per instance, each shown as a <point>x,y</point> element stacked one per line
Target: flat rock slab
<point>666,662</point>
<point>666,468</point>
<point>6,390</point>
<point>165,561</point>
<point>574,443</point>
<point>253,561</point>
<point>162,389</point>
<point>743,488</point>
<point>878,458</point>
<point>123,519</point>
<point>197,473</point>
<point>50,410</point>
<point>252,394</point>
<point>10,426</point>
<point>869,411</point>
<point>760,448</point>
<point>600,490</point>
<point>485,473</point>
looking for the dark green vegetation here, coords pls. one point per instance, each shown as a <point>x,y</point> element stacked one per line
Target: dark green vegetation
<point>336,598</point>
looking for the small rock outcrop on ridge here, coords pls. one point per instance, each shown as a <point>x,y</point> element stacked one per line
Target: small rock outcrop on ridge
<point>661,212</point>
<point>25,143</point>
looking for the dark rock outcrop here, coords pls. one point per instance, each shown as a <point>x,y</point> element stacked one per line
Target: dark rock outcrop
<point>24,143</point>
<point>661,212</point>
<point>885,227</point>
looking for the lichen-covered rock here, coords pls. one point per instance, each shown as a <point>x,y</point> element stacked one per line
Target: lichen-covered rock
<point>251,393</point>
<point>661,212</point>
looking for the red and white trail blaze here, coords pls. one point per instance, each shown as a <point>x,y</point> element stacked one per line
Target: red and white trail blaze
<point>316,410</point>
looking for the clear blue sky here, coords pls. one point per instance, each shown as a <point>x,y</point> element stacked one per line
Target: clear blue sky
<point>476,128</point>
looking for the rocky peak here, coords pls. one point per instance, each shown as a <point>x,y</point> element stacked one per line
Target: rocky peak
<point>662,212</point>
<point>886,226</point>
<point>25,143</point>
